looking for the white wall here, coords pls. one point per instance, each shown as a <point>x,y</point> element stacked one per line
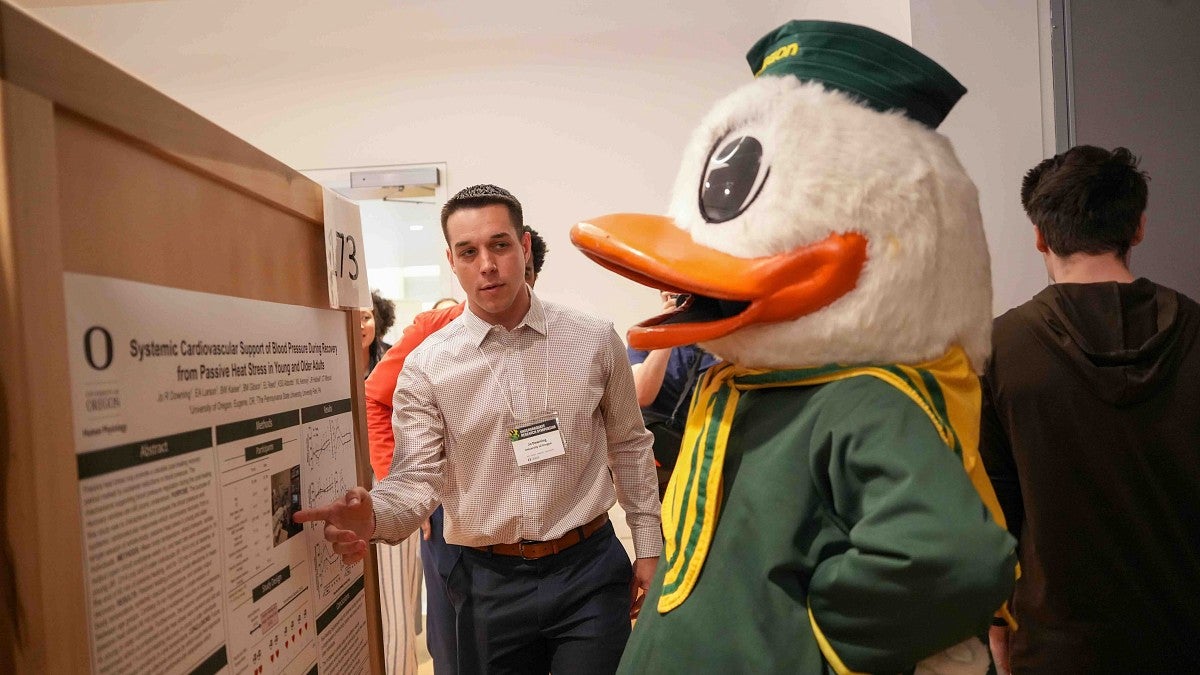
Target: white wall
<point>992,47</point>
<point>888,16</point>
<point>580,108</point>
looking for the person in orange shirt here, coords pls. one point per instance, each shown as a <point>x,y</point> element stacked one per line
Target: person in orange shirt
<point>436,554</point>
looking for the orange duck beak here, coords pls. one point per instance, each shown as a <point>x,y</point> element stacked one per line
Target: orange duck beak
<point>727,292</point>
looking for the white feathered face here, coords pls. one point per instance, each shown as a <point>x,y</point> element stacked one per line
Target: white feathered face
<point>810,229</point>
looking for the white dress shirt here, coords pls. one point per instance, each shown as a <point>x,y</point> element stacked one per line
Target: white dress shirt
<point>455,404</point>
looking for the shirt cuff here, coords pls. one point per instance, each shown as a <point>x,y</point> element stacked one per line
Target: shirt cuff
<point>647,542</point>
<point>389,529</point>
<point>382,525</point>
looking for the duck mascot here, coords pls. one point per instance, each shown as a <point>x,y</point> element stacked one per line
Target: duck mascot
<point>829,511</point>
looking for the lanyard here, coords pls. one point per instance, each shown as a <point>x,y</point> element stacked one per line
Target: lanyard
<point>507,390</point>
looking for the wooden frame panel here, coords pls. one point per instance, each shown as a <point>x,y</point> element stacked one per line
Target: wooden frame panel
<point>130,213</point>
<point>101,174</point>
<point>37,417</point>
<point>46,63</point>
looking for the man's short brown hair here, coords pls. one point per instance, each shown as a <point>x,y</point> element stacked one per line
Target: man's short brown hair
<point>478,196</point>
<point>1087,200</point>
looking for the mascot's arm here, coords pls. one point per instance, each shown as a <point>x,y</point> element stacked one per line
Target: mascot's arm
<point>926,567</point>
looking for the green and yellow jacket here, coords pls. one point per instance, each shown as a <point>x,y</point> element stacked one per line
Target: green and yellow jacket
<point>821,520</point>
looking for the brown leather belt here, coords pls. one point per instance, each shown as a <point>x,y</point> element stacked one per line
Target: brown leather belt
<point>532,550</point>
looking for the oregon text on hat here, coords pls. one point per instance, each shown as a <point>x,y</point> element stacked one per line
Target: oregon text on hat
<point>877,69</point>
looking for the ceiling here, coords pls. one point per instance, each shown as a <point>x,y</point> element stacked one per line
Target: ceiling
<point>34,4</point>
<point>256,67</point>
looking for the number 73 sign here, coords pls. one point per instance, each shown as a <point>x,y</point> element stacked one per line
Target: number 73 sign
<point>344,258</point>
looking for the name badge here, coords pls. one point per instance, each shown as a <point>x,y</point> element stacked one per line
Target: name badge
<point>537,440</point>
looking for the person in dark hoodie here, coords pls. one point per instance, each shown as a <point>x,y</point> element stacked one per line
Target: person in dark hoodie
<point>1091,436</point>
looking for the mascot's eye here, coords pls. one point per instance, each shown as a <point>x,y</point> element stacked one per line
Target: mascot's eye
<point>733,178</point>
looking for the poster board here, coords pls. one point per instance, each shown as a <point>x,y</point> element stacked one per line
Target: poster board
<point>114,198</point>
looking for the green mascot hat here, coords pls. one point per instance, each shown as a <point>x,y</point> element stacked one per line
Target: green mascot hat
<point>876,69</point>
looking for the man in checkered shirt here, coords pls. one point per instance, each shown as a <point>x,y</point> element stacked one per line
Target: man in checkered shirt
<point>521,418</point>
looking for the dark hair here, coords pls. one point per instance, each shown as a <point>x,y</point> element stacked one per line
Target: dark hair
<point>1088,200</point>
<point>537,248</point>
<point>1032,177</point>
<point>385,314</point>
<point>478,196</point>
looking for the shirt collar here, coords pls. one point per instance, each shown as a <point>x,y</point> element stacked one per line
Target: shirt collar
<point>478,329</point>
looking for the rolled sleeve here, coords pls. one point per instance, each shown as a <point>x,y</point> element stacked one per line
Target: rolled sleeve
<point>636,356</point>
<point>630,455</point>
<point>412,488</point>
<point>380,386</point>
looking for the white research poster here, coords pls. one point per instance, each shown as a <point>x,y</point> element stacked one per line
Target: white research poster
<point>202,423</point>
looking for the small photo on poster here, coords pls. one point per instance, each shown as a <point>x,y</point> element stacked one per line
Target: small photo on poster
<point>285,501</point>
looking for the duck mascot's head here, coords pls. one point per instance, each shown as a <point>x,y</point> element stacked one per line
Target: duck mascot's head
<point>818,216</point>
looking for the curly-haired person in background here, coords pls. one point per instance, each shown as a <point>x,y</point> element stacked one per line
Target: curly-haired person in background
<point>375,323</point>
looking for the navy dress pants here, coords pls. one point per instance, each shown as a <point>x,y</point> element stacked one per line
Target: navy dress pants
<point>437,560</point>
<point>566,613</point>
